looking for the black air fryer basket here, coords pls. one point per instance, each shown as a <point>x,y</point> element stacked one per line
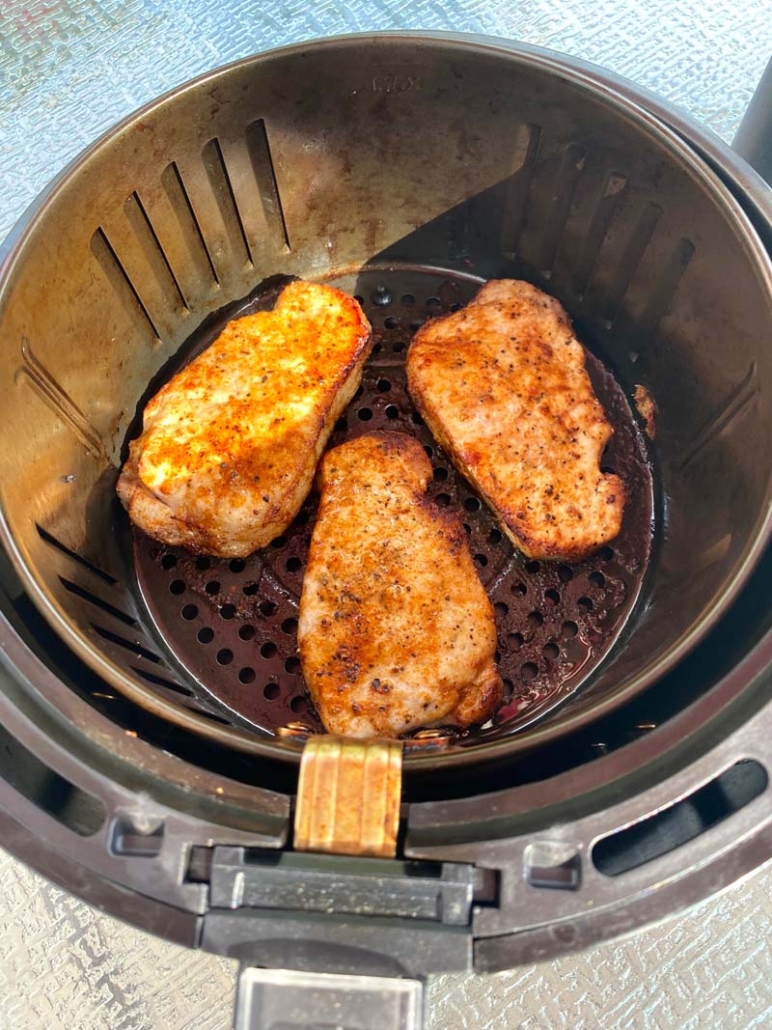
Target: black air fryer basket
<point>153,710</point>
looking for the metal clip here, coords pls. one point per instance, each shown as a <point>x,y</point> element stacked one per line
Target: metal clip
<point>295,731</point>
<point>433,738</point>
<point>349,796</point>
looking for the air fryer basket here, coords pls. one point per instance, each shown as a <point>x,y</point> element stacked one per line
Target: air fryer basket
<point>375,163</point>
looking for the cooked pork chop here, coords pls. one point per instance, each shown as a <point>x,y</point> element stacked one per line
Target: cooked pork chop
<point>396,631</point>
<point>230,445</point>
<point>502,385</point>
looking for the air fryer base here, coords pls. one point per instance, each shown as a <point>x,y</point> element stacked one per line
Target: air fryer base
<point>151,808</point>
<point>92,806</point>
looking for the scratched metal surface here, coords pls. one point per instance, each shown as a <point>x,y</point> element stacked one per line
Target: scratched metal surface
<point>68,70</point>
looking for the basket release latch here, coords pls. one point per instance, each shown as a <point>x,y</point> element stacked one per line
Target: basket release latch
<point>349,796</point>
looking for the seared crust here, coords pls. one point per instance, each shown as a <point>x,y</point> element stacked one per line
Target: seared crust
<point>502,385</point>
<point>230,444</point>
<point>396,631</point>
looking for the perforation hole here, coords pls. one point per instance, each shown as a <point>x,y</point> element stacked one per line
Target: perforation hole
<point>529,672</point>
<point>519,589</point>
<point>392,411</point>
<point>213,587</point>
<point>443,500</point>
<point>168,561</point>
<point>481,560</point>
<point>433,304</point>
<point>227,611</point>
<point>440,474</point>
<point>398,346</point>
<point>494,537</point>
<point>278,542</point>
<point>267,608</point>
<point>289,625</point>
<point>467,528</point>
<point>552,596</point>
<point>585,604</point>
<point>408,299</point>
<point>501,609</point>
<point>250,589</point>
<point>177,587</point>
<point>565,573</point>
<point>247,675</point>
<point>515,641</point>
<point>535,619</point>
<point>292,665</point>
<point>569,629</point>
<point>271,691</point>
<point>189,612</point>
<point>416,323</point>
<point>236,565</point>
<point>429,451</point>
<point>606,554</point>
<point>268,649</point>
<point>203,563</point>
<point>224,656</point>
<point>246,632</point>
<point>532,567</point>
<point>472,504</point>
<point>205,635</point>
<point>293,564</point>
<point>365,414</point>
<point>551,651</point>
<point>299,705</point>
<point>597,579</point>
<point>383,386</point>
<point>390,322</point>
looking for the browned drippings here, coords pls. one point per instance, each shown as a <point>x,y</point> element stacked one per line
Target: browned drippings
<point>232,625</point>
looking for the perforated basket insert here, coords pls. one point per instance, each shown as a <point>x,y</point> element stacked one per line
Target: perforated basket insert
<point>232,625</point>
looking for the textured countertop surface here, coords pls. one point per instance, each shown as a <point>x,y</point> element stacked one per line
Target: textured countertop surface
<point>68,70</point>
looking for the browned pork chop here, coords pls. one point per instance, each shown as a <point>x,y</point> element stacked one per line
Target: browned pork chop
<point>502,385</point>
<point>396,631</point>
<point>230,444</point>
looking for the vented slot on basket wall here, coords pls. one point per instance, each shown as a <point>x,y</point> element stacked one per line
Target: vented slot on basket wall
<point>682,822</point>
<point>24,772</point>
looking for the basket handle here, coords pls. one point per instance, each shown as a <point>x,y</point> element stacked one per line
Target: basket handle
<point>303,1001</point>
<point>753,140</point>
